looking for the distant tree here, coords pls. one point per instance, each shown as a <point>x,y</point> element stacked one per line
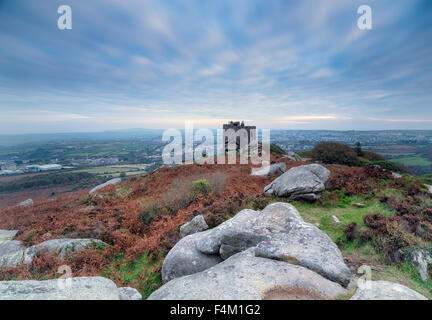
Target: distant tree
<point>358,149</point>
<point>393,166</point>
<point>334,153</point>
<point>372,156</point>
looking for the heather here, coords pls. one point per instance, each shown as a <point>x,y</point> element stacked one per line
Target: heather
<point>381,219</point>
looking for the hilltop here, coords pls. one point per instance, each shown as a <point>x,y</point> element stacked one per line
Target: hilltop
<point>374,217</point>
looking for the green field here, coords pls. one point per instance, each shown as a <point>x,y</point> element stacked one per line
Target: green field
<point>414,160</point>
<point>418,158</point>
<point>116,170</point>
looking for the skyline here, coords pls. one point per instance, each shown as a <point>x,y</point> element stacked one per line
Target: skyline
<point>155,64</point>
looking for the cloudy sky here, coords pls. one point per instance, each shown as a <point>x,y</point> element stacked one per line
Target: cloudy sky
<point>300,64</point>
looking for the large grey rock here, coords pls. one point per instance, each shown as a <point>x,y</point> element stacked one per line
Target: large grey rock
<point>210,241</point>
<point>303,182</point>
<point>26,203</point>
<point>277,232</point>
<point>384,290</point>
<point>12,258</point>
<point>103,185</point>
<point>184,259</point>
<point>127,293</point>
<point>197,224</point>
<point>235,242</point>
<point>310,248</point>
<point>421,260</point>
<point>7,234</point>
<point>244,277</point>
<point>273,170</point>
<point>81,288</point>
<point>262,223</point>
<point>19,254</point>
<point>62,247</point>
<point>429,187</point>
<point>9,247</point>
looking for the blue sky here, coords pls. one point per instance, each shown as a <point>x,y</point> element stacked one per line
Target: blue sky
<point>300,64</point>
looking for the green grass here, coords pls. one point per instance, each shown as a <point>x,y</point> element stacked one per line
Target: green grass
<point>396,154</point>
<point>115,171</point>
<point>347,213</point>
<point>142,274</point>
<point>427,178</point>
<point>357,251</point>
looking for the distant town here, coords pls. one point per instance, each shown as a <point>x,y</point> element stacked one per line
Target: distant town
<point>412,148</point>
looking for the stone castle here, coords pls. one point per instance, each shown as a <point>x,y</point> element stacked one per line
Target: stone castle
<point>236,126</point>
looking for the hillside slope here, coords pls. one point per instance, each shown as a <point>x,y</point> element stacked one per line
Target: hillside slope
<point>381,219</point>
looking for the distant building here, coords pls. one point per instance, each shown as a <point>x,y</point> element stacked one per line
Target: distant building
<point>8,165</point>
<point>50,167</point>
<point>46,167</point>
<point>243,134</point>
<point>97,161</point>
<point>32,168</point>
<point>10,172</point>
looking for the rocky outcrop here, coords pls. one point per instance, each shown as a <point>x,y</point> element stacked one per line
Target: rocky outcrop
<point>244,277</point>
<point>384,290</point>
<point>9,247</point>
<point>61,246</point>
<point>13,253</point>
<point>80,288</point>
<point>6,235</point>
<point>396,175</point>
<point>290,155</point>
<point>103,185</point>
<point>277,233</point>
<point>421,259</point>
<point>270,171</point>
<point>197,224</point>
<point>184,258</point>
<point>303,182</point>
<point>26,203</point>
<point>335,219</point>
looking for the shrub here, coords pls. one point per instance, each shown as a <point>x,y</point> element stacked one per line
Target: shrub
<point>258,202</point>
<point>353,181</point>
<point>396,240</point>
<point>363,162</point>
<point>305,154</point>
<point>392,166</point>
<point>389,235</point>
<point>373,156</point>
<point>201,187</point>
<point>351,231</point>
<point>150,212</point>
<point>376,222</point>
<point>374,171</point>
<point>334,153</point>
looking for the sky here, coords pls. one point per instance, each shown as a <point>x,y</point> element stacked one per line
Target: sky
<point>300,64</point>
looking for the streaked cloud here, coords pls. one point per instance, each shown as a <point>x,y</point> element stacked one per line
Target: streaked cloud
<point>315,117</point>
<point>299,64</point>
<point>401,120</point>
